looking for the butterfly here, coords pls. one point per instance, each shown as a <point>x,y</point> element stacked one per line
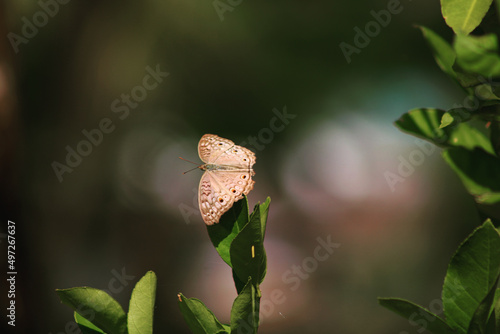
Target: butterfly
<point>228,176</point>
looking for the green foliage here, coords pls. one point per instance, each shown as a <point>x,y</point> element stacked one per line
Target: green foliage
<point>141,307</point>
<point>98,312</point>
<point>469,133</point>
<point>86,326</point>
<point>96,306</point>
<point>199,318</point>
<point>245,310</point>
<point>247,250</point>
<point>230,224</point>
<point>463,16</point>
<point>468,290</point>
<point>239,240</point>
<point>478,54</point>
<point>442,50</point>
<point>479,172</point>
<point>425,123</point>
<point>472,273</point>
<point>417,314</point>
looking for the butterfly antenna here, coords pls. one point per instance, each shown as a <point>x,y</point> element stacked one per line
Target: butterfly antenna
<point>188,161</point>
<point>190,170</point>
<point>197,166</point>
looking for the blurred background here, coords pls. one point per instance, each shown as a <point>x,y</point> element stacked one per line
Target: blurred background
<point>98,99</point>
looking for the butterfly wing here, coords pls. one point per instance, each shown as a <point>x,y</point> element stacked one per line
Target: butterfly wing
<point>236,157</point>
<point>211,147</point>
<point>228,176</point>
<point>219,190</point>
<point>234,182</point>
<point>214,200</point>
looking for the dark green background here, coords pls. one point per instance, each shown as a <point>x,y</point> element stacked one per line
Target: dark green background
<point>118,210</point>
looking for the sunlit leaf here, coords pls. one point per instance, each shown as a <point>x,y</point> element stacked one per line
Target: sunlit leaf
<point>86,326</point>
<point>199,318</point>
<point>96,306</point>
<point>424,123</point>
<point>141,307</point>
<point>463,16</point>
<point>466,136</point>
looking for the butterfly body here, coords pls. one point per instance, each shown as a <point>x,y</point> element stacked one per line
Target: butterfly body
<point>214,167</point>
<point>228,176</point>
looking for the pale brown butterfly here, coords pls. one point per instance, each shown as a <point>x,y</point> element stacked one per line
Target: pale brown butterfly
<point>228,176</point>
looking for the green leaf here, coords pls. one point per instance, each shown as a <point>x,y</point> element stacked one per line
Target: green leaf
<point>199,318</point>
<point>455,116</point>
<point>496,310</point>
<point>247,249</point>
<point>424,123</point>
<point>442,51</point>
<point>263,211</point>
<point>495,137</point>
<point>469,137</point>
<point>472,272</point>
<point>230,224</point>
<point>479,323</point>
<point>434,125</point>
<point>96,306</point>
<point>478,54</point>
<point>487,91</point>
<point>238,283</point>
<point>483,111</point>
<point>245,310</point>
<point>141,307</point>
<point>447,119</point>
<point>417,315</point>
<point>479,172</point>
<point>86,326</point>
<point>463,16</point>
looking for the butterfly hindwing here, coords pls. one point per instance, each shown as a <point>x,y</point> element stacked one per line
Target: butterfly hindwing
<point>213,198</point>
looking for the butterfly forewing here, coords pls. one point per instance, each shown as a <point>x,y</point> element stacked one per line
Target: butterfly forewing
<point>211,147</point>
<point>237,157</point>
